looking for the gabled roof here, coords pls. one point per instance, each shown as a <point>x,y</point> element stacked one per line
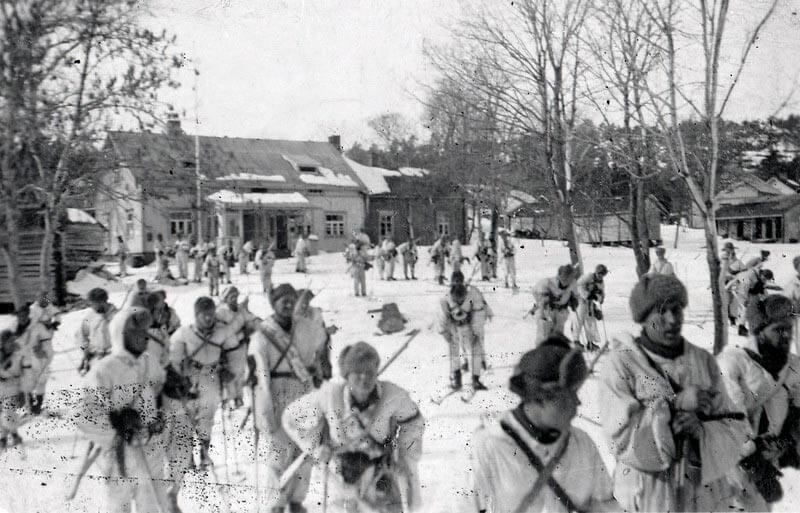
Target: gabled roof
<point>753,181</point>
<point>761,207</point>
<point>375,178</point>
<point>155,158</point>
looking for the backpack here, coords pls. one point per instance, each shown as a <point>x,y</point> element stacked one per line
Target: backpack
<point>391,320</point>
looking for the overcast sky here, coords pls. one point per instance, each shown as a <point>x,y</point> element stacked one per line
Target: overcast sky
<point>305,69</point>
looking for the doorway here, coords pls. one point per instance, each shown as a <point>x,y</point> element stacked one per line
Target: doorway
<point>281,236</point>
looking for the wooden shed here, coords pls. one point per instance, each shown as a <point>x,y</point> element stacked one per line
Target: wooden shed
<point>79,242</point>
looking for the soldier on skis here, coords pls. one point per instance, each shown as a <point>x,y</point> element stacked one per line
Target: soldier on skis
<point>510,265</point>
<point>36,346</point>
<point>93,335</point>
<point>182,248</point>
<point>666,412</point>
<point>591,294</point>
<point>265,259</point>
<point>213,265</point>
<point>117,412</point>
<point>390,255</point>
<point>762,378</point>
<point>533,459</point>
<point>10,393</point>
<point>410,255</point>
<point>236,357</point>
<point>552,297</point>
<point>792,291</point>
<point>485,254</point>
<point>198,254</point>
<point>439,254</point>
<point>751,285</point>
<point>730,266</point>
<point>196,353</point>
<point>366,432</point>
<point>358,263</point>
<point>285,368</point>
<point>480,313</point>
<point>455,326</point>
<point>661,265</point>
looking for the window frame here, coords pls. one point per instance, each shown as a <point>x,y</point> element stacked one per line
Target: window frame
<point>335,229</point>
<point>382,223</point>
<point>442,221</point>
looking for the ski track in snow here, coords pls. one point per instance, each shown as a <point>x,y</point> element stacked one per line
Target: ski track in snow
<point>37,476</point>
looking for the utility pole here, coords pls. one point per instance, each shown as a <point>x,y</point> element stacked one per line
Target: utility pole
<point>197,156</point>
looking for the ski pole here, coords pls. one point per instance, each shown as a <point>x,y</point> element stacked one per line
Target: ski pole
<point>411,334</point>
<point>92,454</point>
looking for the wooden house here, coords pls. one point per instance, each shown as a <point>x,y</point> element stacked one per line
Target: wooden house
<point>598,221</point>
<point>249,189</point>
<point>774,218</point>
<point>78,241</point>
<point>411,197</point>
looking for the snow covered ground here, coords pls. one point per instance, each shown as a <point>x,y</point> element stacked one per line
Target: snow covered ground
<point>37,476</point>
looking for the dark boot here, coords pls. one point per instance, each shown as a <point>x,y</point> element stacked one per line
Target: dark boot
<point>743,331</point>
<point>732,320</point>
<point>172,503</point>
<point>205,460</point>
<point>441,280</point>
<point>455,380</point>
<point>15,439</point>
<point>296,507</point>
<point>36,404</point>
<point>476,383</point>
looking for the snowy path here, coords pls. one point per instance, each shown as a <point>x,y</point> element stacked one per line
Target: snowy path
<point>35,478</point>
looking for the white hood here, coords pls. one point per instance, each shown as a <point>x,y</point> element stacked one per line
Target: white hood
<point>117,325</point>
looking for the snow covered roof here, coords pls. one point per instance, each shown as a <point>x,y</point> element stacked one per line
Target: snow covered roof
<point>276,199</point>
<point>163,160</point>
<point>328,177</point>
<point>416,172</point>
<point>251,177</point>
<point>76,215</point>
<point>373,177</point>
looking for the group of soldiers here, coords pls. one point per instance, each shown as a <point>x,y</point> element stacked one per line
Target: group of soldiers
<point>688,431</point>
<point>214,263</point>
<point>360,252</point>
<point>445,251</point>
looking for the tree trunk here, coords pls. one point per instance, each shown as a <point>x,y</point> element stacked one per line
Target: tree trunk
<point>640,235</point>
<point>46,252</point>
<point>10,252</point>
<point>571,235</point>
<point>495,219</point>
<point>60,271</point>
<point>712,256</point>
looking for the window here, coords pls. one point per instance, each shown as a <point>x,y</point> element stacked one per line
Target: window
<point>128,223</point>
<point>259,189</point>
<point>334,226</point>
<point>308,169</point>
<point>180,223</point>
<point>386,224</point>
<point>442,223</point>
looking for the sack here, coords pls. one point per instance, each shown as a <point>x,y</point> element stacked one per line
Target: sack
<point>382,491</point>
<point>352,465</point>
<point>177,386</point>
<point>765,477</point>
<point>391,320</point>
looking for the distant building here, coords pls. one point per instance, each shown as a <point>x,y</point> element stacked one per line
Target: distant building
<point>250,189</point>
<point>597,221</point>
<point>767,218</point>
<point>407,198</point>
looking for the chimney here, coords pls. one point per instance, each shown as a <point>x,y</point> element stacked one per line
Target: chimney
<point>336,141</point>
<point>173,124</point>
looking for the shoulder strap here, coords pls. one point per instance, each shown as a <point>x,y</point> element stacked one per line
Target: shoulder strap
<point>545,473</point>
<point>205,340</point>
<point>283,350</point>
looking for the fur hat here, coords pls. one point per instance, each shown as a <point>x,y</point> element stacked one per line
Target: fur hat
<point>550,368</point>
<point>228,290</point>
<point>762,313</point>
<point>358,357</point>
<point>97,294</point>
<point>653,291</point>
<point>203,304</point>
<point>284,289</point>
<point>728,246</point>
<point>127,318</point>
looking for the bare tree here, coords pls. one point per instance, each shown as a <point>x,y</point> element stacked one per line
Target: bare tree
<point>685,25</point>
<point>526,58</point>
<point>67,68</point>
<point>624,45</point>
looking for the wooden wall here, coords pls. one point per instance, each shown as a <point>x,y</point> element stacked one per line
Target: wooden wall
<point>80,244</point>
